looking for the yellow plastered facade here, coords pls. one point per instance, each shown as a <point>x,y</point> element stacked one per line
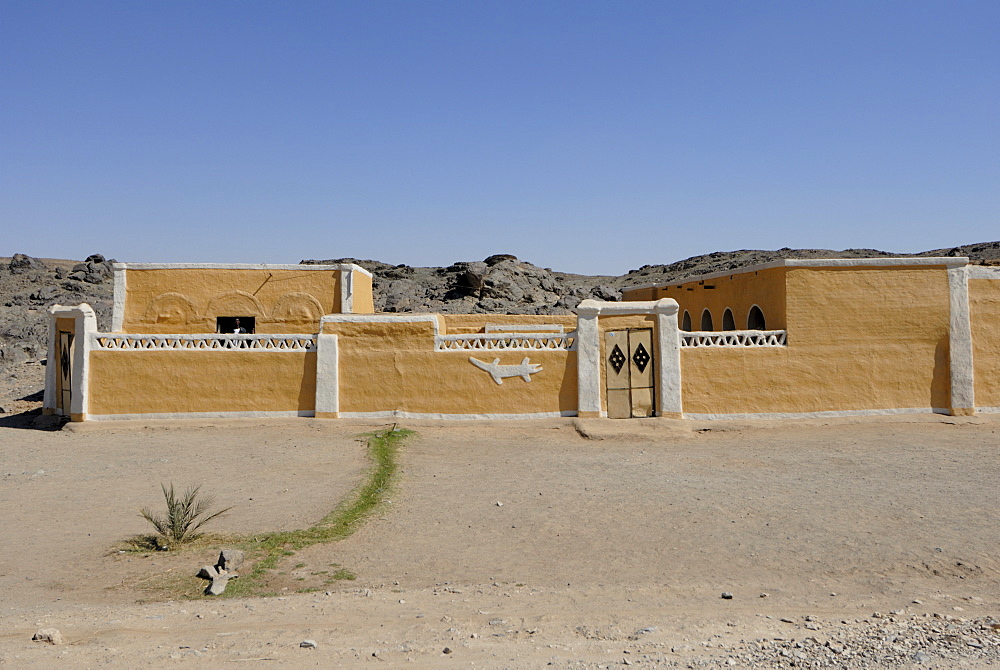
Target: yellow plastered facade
<point>221,382</point>
<point>393,367</point>
<point>363,297</point>
<point>859,339</point>
<point>479,323</point>
<point>188,300</point>
<point>737,292</point>
<point>984,302</point>
<point>856,337</point>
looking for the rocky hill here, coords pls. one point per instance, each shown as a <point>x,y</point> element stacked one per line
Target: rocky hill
<point>499,284</point>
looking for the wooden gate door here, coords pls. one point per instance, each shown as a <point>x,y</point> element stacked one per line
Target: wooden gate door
<point>629,372</point>
<point>65,376</point>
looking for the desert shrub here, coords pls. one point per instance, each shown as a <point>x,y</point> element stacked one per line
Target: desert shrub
<point>185,515</point>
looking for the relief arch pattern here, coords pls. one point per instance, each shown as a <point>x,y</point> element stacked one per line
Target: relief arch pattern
<point>170,308</point>
<point>298,308</point>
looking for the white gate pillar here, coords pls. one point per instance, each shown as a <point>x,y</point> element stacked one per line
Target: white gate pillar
<point>588,354</point>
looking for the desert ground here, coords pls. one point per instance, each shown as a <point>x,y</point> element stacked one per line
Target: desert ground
<point>562,543</point>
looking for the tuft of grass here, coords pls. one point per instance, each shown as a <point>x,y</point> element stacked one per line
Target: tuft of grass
<point>341,522</point>
<point>342,574</point>
<point>185,515</point>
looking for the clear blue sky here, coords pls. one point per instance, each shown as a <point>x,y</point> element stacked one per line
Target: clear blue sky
<point>589,137</point>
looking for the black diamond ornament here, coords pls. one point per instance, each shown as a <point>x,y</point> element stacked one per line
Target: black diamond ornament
<point>640,358</point>
<point>617,359</point>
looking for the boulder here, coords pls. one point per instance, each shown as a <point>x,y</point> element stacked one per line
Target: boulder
<point>403,295</point>
<point>21,263</point>
<point>230,560</point>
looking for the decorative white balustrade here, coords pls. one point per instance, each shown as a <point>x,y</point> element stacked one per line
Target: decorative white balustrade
<point>734,338</point>
<point>506,342</point>
<point>213,342</point>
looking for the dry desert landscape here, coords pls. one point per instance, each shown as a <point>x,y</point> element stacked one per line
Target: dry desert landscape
<point>555,543</point>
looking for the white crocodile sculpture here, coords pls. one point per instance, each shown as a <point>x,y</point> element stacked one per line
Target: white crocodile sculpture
<point>501,372</point>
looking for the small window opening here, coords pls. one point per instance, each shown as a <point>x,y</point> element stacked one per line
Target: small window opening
<point>706,320</point>
<point>728,322</point>
<point>755,320</point>
<point>230,325</point>
<point>686,321</point>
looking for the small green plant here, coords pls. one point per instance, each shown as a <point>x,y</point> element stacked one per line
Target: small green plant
<point>185,515</point>
<point>343,573</point>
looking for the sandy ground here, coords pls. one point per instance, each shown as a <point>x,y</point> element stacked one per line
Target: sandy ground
<point>513,545</point>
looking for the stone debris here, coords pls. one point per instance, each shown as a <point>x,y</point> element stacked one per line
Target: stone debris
<point>308,644</point>
<point>726,595</point>
<point>49,635</point>
<point>886,642</point>
<point>223,570</point>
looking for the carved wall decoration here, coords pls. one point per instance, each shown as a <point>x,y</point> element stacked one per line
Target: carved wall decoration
<point>501,372</point>
<point>171,308</point>
<point>235,303</point>
<point>297,307</point>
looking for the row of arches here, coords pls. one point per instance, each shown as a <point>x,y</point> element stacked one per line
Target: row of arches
<point>755,320</point>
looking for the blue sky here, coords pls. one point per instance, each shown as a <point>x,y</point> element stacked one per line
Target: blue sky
<point>590,137</point>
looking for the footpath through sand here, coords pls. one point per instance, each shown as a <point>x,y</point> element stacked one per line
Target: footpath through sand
<point>522,544</point>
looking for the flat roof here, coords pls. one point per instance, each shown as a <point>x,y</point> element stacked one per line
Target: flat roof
<point>948,261</point>
<point>239,266</point>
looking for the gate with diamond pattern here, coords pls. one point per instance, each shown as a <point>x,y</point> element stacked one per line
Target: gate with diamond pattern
<point>629,373</point>
<point>64,379</point>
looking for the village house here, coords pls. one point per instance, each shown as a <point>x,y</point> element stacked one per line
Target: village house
<point>791,338</point>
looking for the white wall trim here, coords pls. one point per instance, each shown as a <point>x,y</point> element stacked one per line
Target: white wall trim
<point>242,266</point>
<point>903,261</point>
<point>816,415</point>
<point>199,415</point>
<point>588,363</point>
<point>346,292</point>
<point>327,374</point>
<point>599,307</point>
<point>669,387</point>
<point>266,343</point>
<point>401,414</point>
<point>984,272</point>
<point>988,410</point>
<point>118,304</point>
<point>963,392</point>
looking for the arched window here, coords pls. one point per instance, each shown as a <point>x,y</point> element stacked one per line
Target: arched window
<point>706,320</point>
<point>728,322</point>
<point>755,319</point>
<point>686,321</point>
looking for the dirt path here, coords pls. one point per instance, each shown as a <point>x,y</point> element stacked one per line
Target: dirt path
<point>601,551</point>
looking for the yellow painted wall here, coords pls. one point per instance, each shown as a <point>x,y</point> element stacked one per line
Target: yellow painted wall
<point>361,287</point>
<point>640,294</point>
<point>738,292</point>
<point>393,366</point>
<point>144,382</point>
<point>189,300</point>
<point>858,339</point>
<point>456,324</point>
<point>984,312</point>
